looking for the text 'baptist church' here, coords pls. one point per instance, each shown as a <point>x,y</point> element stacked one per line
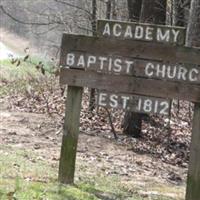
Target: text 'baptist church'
<point>134,67</point>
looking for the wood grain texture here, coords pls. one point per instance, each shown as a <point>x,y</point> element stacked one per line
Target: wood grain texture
<point>123,27</point>
<point>193,182</point>
<point>134,67</point>
<point>70,135</point>
<point>127,48</point>
<point>136,103</point>
<point>130,85</point>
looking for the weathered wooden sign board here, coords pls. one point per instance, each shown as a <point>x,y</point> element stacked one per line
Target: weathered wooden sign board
<point>141,104</point>
<point>90,58</point>
<point>141,31</point>
<point>131,66</point>
<point>128,62</point>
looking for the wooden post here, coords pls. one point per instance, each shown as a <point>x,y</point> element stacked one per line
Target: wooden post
<point>193,182</point>
<point>70,135</point>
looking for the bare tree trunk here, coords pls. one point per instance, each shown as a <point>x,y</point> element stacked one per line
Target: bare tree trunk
<point>108,9</point>
<point>193,39</point>
<point>94,30</point>
<point>134,8</point>
<point>193,31</point>
<point>132,123</point>
<point>178,13</point>
<point>114,11</point>
<point>151,11</point>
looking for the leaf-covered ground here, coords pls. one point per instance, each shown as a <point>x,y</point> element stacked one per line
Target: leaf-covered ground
<point>106,169</point>
<point>167,138</point>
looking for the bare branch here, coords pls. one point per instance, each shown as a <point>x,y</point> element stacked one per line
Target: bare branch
<point>74,6</point>
<point>28,23</point>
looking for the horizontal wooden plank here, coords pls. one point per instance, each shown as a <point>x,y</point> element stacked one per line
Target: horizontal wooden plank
<point>119,65</point>
<point>125,48</point>
<point>130,85</point>
<point>140,31</point>
<point>140,104</point>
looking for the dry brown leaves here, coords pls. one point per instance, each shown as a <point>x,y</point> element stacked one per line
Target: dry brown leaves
<point>167,139</point>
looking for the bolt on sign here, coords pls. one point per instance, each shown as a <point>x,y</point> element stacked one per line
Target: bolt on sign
<point>137,67</point>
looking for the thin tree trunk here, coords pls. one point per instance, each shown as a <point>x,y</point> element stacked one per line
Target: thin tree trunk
<point>178,13</point>
<point>151,11</point>
<point>134,8</point>
<point>114,11</point>
<point>193,39</point>
<point>132,123</point>
<point>108,9</point>
<point>193,31</point>
<point>94,30</point>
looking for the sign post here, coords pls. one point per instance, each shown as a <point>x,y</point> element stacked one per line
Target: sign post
<point>70,135</point>
<point>128,62</point>
<point>193,182</point>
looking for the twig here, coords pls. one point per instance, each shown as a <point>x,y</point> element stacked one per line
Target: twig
<point>111,123</point>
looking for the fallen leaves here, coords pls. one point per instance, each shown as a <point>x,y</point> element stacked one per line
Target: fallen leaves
<point>162,137</point>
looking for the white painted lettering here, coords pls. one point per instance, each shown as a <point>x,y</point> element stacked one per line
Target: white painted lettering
<point>149,33</point>
<point>102,61</point>
<point>161,70</point>
<point>113,101</point>
<point>128,33</point>
<point>81,61</point>
<point>102,99</point>
<point>70,59</point>
<point>91,60</point>
<point>110,64</point>
<point>163,36</point>
<point>182,73</point>
<point>106,30</point>
<point>193,75</point>
<point>125,100</point>
<point>171,72</point>
<point>117,30</point>
<point>139,32</point>
<point>175,34</point>
<point>117,65</point>
<point>149,69</point>
<point>129,64</point>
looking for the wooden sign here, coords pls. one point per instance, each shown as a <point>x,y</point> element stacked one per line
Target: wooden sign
<point>128,60</point>
<point>139,31</point>
<point>141,104</point>
<point>131,85</point>
<point>119,65</point>
<point>125,48</point>
<point>179,80</point>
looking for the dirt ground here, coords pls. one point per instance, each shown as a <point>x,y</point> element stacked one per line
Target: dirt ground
<point>42,134</point>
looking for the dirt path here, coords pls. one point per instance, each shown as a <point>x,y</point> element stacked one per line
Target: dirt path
<point>42,134</point>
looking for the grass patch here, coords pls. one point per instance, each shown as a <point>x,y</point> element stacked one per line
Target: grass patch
<point>15,79</point>
<point>25,176</point>
<point>10,72</point>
